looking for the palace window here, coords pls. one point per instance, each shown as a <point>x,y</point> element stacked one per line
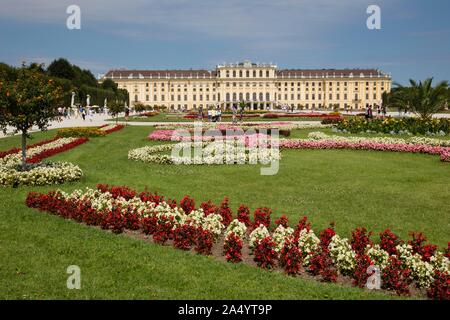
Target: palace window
<point>260,73</point>
<point>267,73</point>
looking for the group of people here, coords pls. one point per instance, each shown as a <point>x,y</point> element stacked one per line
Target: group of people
<point>215,113</point>
<point>369,111</point>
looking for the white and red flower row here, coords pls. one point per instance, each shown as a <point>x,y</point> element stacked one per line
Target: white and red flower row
<point>119,208</point>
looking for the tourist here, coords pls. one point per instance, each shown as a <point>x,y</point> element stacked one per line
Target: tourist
<point>209,115</point>
<point>378,110</point>
<point>383,109</point>
<point>366,114</point>
<point>370,112</point>
<point>127,113</point>
<point>83,113</point>
<point>200,113</point>
<point>219,114</point>
<point>241,113</point>
<point>234,110</point>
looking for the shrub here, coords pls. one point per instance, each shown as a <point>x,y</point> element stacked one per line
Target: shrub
<point>204,241</point>
<point>389,241</point>
<point>209,208</point>
<point>326,235</point>
<point>395,278</point>
<point>388,125</point>
<point>163,230</point>
<point>302,224</point>
<point>148,224</point>
<point>225,212</point>
<point>282,221</point>
<point>264,253</point>
<point>360,240</point>
<point>243,215</point>
<point>184,236</point>
<point>418,245</point>
<point>360,274</point>
<point>187,204</point>
<point>320,264</point>
<point>262,216</point>
<point>440,288</point>
<point>232,248</point>
<point>290,257</point>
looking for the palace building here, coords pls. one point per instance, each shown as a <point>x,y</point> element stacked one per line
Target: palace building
<point>262,86</point>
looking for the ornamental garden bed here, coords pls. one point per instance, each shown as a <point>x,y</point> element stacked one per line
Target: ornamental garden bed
<point>405,267</point>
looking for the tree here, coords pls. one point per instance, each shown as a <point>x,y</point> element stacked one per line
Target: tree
<point>140,107</point>
<point>61,68</point>
<point>109,84</point>
<point>32,99</point>
<point>422,98</point>
<point>115,108</point>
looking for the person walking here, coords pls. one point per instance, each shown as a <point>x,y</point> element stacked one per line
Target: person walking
<point>83,114</point>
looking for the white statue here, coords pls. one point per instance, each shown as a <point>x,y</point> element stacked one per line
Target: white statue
<point>72,102</point>
<point>88,100</point>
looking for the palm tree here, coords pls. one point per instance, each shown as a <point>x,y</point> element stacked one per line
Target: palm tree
<point>421,98</point>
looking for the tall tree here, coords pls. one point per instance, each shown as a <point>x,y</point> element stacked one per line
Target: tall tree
<point>32,99</point>
<point>61,68</point>
<point>109,84</point>
<point>422,98</point>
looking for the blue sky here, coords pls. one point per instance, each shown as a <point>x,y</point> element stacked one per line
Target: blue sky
<point>168,34</point>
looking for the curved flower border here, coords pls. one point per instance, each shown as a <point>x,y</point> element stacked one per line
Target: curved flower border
<point>402,264</point>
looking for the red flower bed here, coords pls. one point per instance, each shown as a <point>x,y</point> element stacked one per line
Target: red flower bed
<point>51,152</point>
<point>117,127</point>
<point>16,150</point>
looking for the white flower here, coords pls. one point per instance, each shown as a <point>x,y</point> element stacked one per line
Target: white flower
<point>279,236</point>
<point>237,227</point>
<point>342,254</point>
<point>258,234</point>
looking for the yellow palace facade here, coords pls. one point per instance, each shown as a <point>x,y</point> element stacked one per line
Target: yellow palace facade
<point>261,86</point>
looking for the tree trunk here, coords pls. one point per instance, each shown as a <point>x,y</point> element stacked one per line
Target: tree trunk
<point>24,150</point>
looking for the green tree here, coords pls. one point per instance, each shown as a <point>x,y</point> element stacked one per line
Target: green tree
<point>421,97</point>
<point>61,68</point>
<point>140,107</point>
<point>32,99</point>
<point>115,108</point>
<point>109,84</point>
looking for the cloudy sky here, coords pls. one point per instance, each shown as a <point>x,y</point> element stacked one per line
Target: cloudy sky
<point>166,34</point>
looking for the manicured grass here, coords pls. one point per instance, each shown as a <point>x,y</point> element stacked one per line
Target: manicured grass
<point>406,192</point>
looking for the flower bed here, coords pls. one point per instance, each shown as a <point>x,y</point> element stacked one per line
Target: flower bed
<point>394,126</point>
<point>282,125</point>
<point>330,257</point>
<point>171,135</point>
<point>110,128</point>
<point>38,152</point>
<point>80,132</point>
<point>365,145</point>
<point>40,173</point>
<point>261,155</point>
<point>412,140</point>
<point>321,116</point>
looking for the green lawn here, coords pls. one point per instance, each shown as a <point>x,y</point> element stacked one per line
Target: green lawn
<point>406,192</point>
